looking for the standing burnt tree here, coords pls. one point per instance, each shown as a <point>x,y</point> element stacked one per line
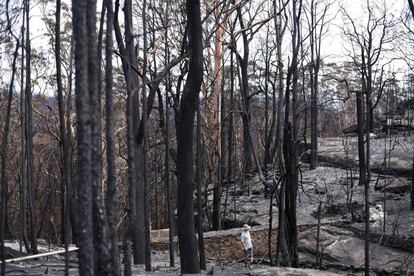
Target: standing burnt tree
<point>287,240</point>
<point>111,202</point>
<point>94,246</point>
<point>317,25</point>
<point>28,130</point>
<point>368,45</point>
<point>411,5</point>
<point>184,128</point>
<point>79,9</point>
<point>5,148</point>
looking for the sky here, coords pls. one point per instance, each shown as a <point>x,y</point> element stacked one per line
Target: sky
<point>333,43</point>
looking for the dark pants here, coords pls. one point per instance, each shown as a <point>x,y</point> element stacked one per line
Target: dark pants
<point>248,255</point>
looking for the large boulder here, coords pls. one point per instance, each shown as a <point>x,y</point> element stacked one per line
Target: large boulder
<point>395,186</point>
<point>341,248</point>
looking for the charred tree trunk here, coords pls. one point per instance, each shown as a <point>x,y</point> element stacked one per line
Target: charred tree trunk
<point>4,155</point>
<point>361,147</point>
<point>314,68</point>
<point>189,100</point>
<point>147,190</point>
<point>100,223</point>
<point>168,185</point>
<point>412,187</point>
<point>65,154</point>
<point>71,193</point>
<point>29,139</point>
<point>135,179</point>
<point>291,139</point>
<point>199,195</point>
<point>277,147</point>
<point>86,255</point>
<point>23,168</point>
<point>244,91</point>
<point>111,202</point>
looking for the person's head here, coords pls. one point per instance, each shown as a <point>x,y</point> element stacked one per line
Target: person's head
<point>246,227</point>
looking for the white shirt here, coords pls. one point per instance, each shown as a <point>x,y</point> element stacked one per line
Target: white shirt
<point>246,240</point>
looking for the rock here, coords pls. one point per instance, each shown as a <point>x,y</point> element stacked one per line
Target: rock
<point>350,129</point>
<point>341,247</point>
<point>338,209</point>
<point>395,186</point>
<point>247,209</point>
<point>320,189</point>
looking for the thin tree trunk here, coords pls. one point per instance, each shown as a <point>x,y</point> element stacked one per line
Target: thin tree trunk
<point>167,147</point>
<point>314,91</point>
<point>361,148</point>
<point>147,191</point>
<point>277,148</point>
<point>65,165</point>
<point>216,120</point>
<point>318,231</point>
<point>100,223</point>
<point>4,154</point>
<point>134,153</point>
<point>23,166</point>
<point>111,201</point>
<point>198,181</point>
<point>230,126</point>
<point>29,137</point>
<point>71,194</point>
<point>412,187</point>
<point>269,241</point>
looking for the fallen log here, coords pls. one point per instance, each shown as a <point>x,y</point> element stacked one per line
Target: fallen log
<point>30,257</point>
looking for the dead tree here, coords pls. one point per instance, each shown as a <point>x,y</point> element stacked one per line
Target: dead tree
<point>199,195</point>
<point>184,128</point>
<point>65,155</point>
<point>410,3</point>
<point>280,27</point>
<point>317,24</point>
<point>23,169</point>
<point>170,219</point>
<point>111,202</point>
<point>29,138</point>
<point>147,191</point>
<point>369,43</point>
<point>247,32</point>
<point>79,10</point>
<point>4,150</point>
<point>288,191</point>
<point>135,177</point>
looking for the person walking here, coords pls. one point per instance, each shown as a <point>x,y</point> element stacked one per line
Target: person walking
<point>247,245</point>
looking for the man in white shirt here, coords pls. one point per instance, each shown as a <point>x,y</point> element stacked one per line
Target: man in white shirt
<point>247,245</point>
